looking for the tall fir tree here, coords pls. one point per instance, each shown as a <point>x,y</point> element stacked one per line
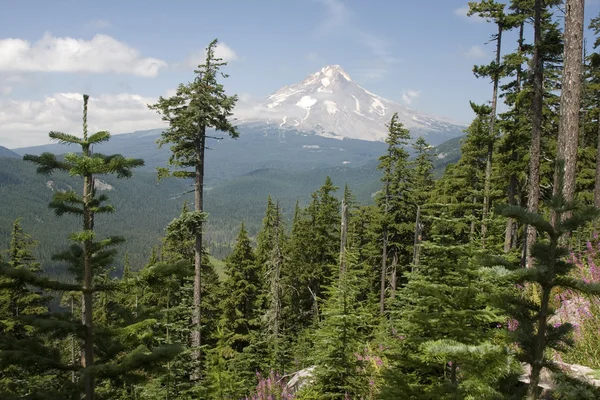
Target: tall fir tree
<point>270,258</point>
<point>195,108</point>
<point>241,312</point>
<point>491,10</point>
<point>87,206</point>
<point>396,207</point>
<point>29,364</point>
<point>340,337</point>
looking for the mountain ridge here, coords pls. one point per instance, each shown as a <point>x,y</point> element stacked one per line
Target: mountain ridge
<point>7,153</point>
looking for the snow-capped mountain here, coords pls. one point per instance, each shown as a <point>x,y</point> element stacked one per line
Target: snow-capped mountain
<point>329,103</point>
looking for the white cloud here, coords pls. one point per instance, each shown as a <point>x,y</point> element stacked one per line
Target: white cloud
<point>409,95</point>
<point>475,52</point>
<point>8,82</point>
<point>27,122</point>
<point>462,12</point>
<point>221,51</point>
<point>98,24</point>
<point>101,54</point>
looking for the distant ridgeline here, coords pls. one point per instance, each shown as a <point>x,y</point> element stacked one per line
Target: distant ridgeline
<point>240,175</point>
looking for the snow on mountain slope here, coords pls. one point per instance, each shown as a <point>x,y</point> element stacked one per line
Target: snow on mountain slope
<point>329,103</point>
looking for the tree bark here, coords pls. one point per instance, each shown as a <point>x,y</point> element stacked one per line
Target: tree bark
<point>394,276</point>
<point>570,97</point>
<point>540,346</point>
<point>383,272</point>
<point>385,249</point>
<point>88,357</point>
<point>533,198</point>
<point>87,308</point>
<point>491,139</point>
<point>198,206</point>
<point>510,237</point>
<point>417,240</point>
<point>276,283</point>
<point>343,238</point>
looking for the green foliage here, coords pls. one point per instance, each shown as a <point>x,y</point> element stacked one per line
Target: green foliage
<point>311,250</point>
<point>396,205</point>
<point>270,259</point>
<point>535,334</point>
<point>440,325</point>
<point>341,335</point>
<point>199,105</point>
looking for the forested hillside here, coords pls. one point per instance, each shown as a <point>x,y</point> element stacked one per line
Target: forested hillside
<point>382,280</point>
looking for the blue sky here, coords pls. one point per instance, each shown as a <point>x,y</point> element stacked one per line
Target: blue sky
<point>125,53</point>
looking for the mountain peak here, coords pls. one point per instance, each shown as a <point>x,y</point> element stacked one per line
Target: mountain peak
<point>335,69</point>
<point>327,77</point>
<point>329,103</point>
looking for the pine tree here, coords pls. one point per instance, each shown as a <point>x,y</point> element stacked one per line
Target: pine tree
<point>88,253</point>
<point>340,336</point>
<point>439,326</point>
<point>312,249</point>
<point>85,165</point>
<point>423,165</point>
<point>195,108</point>
<point>165,296</point>
<point>28,361</point>
<point>462,184</point>
<point>514,125</point>
<point>533,193</point>
<point>423,186</point>
<point>19,298</point>
<point>241,305</point>
<point>270,259</point>
<point>494,11</point>
<point>534,333</point>
<point>395,206</point>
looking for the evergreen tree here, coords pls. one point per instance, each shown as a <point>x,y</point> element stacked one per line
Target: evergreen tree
<point>494,11</point>
<point>311,256</point>
<point>18,299</point>
<point>533,193</point>
<point>440,338</point>
<point>395,205</point>
<point>461,187</point>
<point>240,305</point>
<point>423,186</point>
<point>312,250</point>
<point>195,108</point>
<point>28,364</point>
<point>534,334</point>
<point>514,125</point>
<point>423,165</point>
<point>88,254</point>
<point>270,259</point>
<point>340,337</point>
